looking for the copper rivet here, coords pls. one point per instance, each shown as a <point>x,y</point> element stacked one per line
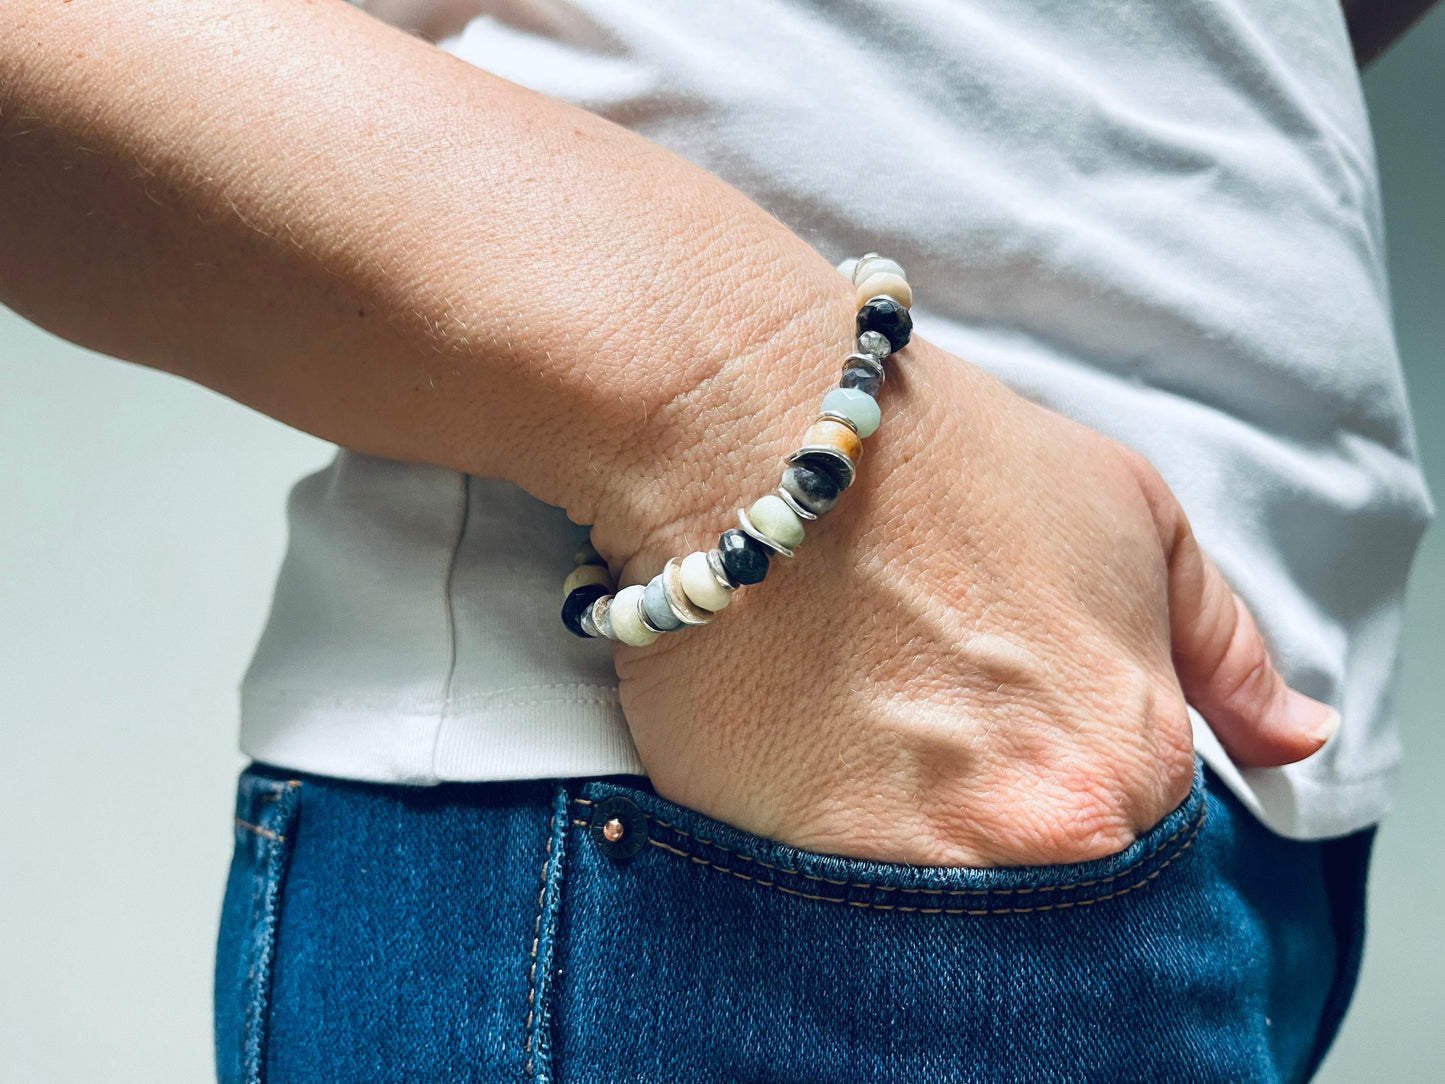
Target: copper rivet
<point>613,830</point>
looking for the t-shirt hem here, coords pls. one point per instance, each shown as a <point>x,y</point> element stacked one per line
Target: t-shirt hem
<point>547,732</point>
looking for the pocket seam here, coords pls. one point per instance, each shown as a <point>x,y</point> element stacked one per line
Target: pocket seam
<point>266,815</point>
<point>1170,846</point>
<point>256,829</point>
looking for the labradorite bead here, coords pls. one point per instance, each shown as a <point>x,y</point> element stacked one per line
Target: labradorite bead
<point>811,486</point>
<point>771,515</point>
<point>576,603</point>
<point>858,407</point>
<point>865,380</point>
<point>654,605</point>
<point>889,319</point>
<point>745,559</point>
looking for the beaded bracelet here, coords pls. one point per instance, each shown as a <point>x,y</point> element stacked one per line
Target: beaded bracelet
<point>692,590</point>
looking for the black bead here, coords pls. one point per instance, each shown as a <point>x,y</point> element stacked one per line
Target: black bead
<point>744,558</point>
<point>811,486</point>
<point>890,319</point>
<point>576,605</point>
<point>865,380</point>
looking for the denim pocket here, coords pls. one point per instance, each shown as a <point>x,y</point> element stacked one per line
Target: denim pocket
<point>245,950</point>
<point>666,828</point>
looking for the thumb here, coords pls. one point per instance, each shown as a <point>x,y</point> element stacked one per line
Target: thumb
<point>1226,672</point>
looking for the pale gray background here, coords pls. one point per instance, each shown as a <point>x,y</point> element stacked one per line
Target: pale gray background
<point>143,525</point>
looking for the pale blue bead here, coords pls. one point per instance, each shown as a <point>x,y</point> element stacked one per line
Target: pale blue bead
<point>857,406</point>
<point>654,604</point>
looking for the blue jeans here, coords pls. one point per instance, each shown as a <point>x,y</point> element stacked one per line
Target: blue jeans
<point>503,931</point>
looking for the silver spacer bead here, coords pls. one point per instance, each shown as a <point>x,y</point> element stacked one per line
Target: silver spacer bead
<point>599,615</point>
<point>792,502</point>
<point>719,571</point>
<point>758,536</point>
<point>859,273</point>
<point>875,343</point>
<point>681,606</point>
<point>646,621</point>
<point>846,467</point>
<point>834,416</point>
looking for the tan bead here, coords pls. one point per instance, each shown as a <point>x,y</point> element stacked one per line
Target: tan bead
<point>827,433</point>
<point>894,286</point>
<point>586,576</point>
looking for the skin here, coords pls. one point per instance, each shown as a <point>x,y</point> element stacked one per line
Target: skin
<point>982,656</point>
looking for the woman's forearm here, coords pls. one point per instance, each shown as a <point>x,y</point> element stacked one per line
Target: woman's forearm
<point>366,238</point>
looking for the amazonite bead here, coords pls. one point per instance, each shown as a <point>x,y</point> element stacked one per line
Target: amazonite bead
<point>700,585</point>
<point>894,286</point>
<point>858,407</point>
<point>625,614</point>
<point>587,576</point>
<point>772,517</point>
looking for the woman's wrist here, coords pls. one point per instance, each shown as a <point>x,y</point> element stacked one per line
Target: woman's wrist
<point>691,590</point>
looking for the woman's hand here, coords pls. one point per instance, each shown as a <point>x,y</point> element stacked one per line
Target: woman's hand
<point>981,656</point>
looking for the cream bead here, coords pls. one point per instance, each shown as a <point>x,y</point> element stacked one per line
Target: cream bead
<point>626,617</point>
<point>587,554</point>
<point>700,585</point>
<point>872,265</point>
<point>773,518</point>
<point>586,576</point>
<point>894,286</point>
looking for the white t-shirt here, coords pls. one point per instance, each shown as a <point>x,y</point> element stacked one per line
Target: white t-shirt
<point>1160,219</point>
